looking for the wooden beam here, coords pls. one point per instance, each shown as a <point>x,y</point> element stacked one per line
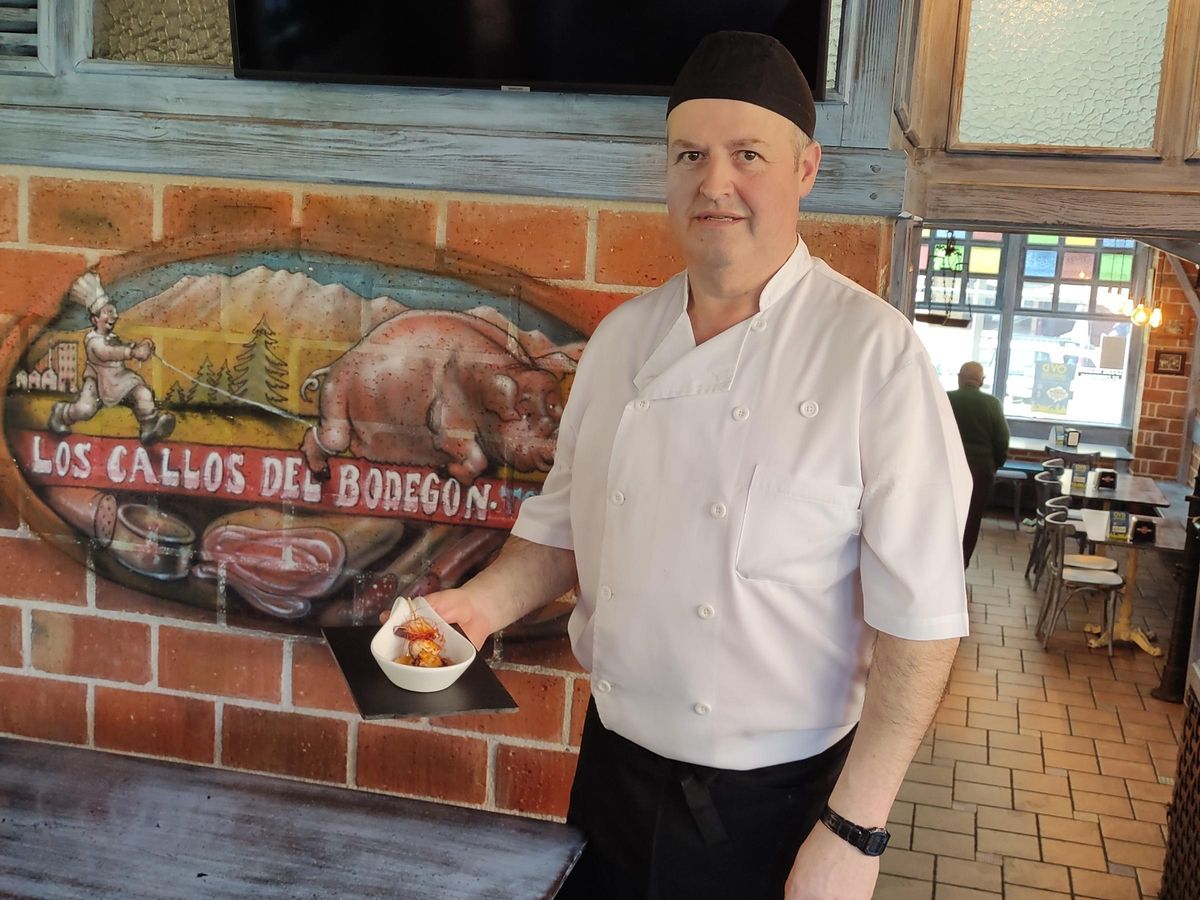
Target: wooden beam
<point>870,73</point>
<point>1017,169</point>
<point>1063,209</point>
<point>906,236</point>
<point>1175,135</point>
<point>852,181</point>
<point>1189,250</point>
<point>927,96</point>
<point>1089,196</point>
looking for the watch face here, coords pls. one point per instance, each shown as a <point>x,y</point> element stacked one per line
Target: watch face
<point>876,843</point>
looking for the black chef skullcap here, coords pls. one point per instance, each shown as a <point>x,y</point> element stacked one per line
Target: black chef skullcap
<point>743,65</point>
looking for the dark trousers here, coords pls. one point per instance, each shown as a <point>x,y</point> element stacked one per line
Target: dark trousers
<point>982,476</point>
<point>664,830</point>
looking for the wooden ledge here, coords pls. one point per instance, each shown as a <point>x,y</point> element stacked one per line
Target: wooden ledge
<point>82,823</point>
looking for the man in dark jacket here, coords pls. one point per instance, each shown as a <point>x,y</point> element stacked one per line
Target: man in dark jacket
<point>984,435</point>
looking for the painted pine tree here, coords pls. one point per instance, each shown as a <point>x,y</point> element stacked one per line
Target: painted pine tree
<point>258,373</point>
<point>201,392</point>
<point>176,396</point>
<point>222,381</point>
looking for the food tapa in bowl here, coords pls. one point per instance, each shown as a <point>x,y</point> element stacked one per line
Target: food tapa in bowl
<point>387,646</point>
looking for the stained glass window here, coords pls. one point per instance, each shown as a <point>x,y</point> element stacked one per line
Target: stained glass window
<point>1042,263</point>
<point>1060,310</point>
<point>984,261</point>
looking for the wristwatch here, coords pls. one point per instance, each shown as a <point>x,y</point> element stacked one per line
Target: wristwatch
<point>871,841</point>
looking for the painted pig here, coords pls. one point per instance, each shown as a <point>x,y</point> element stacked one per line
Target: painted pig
<point>436,388</point>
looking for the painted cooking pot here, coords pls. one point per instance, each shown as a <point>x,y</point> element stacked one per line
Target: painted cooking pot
<point>152,542</point>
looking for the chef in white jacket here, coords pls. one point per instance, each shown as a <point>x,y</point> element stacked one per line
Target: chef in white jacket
<point>760,489</point>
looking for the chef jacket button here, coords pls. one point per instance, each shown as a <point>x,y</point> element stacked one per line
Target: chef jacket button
<point>705,611</point>
<point>758,324</point>
<point>702,709</point>
<point>603,687</point>
<point>643,404</point>
<point>605,593</point>
<point>718,510</point>
<point>809,408</point>
<point>740,413</point>
<point>617,498</point>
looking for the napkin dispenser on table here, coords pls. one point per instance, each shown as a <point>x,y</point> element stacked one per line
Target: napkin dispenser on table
<point>1144,531</point>
<point>1106,479</point>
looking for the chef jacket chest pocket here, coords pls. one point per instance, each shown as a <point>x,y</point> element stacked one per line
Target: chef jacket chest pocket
<point>798,531</point>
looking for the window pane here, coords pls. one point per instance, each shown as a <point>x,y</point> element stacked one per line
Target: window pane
<point>1074,298</point>
<point>984,261</point>
<point>1116,266</point>
<point>924,261</point>
<point>1037,295</point>
<point>1041,263</point>
<point>1063,74</point>
<point>1113,300</point>
<point>949,348</point>
<point>987,236</point>
<point>163,31</point>
<point>1042,239</point>
<point>981,291</point>
<point>947,258</point>
<point>1078,266</point>
<point>944,291</point>
<point>1118,242</point>
<point>1054,370</point>
<point>835,35</point>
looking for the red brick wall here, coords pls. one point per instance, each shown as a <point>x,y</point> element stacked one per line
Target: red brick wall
<point>1158,444</point>
<point>84,661</point>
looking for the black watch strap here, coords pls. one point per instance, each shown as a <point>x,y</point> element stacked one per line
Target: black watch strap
<point>871,841</point>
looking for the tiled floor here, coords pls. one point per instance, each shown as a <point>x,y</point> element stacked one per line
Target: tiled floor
<point>1047,772</point>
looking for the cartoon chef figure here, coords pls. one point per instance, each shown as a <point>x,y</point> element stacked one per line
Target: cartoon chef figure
<point>106,379</point>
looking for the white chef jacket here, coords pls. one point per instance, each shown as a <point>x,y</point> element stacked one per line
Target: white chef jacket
<point>744,512</point>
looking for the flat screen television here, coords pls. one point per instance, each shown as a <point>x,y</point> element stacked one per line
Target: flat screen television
<point>603,46</point>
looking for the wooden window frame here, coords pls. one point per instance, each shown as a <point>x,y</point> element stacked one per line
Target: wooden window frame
<point>80,113</point>
<point>1066,190</point>
<point>1180,69</point>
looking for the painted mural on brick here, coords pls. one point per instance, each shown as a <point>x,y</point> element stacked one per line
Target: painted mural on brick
<point>295,435</point>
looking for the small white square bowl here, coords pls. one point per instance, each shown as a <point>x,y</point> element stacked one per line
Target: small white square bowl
<point>387,645</point>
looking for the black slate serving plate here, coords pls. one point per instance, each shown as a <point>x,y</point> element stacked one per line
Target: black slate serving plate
<point>476,690</point>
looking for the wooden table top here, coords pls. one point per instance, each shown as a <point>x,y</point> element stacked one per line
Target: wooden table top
<point>83,823</point>
<point>1130,489</point>
<point>1169,535</point>
<point>1038,445</point>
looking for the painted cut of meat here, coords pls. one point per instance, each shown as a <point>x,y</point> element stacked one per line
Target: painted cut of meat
<point>279,572</point>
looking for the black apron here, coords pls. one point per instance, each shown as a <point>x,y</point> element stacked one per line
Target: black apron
<point>662,829</point>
